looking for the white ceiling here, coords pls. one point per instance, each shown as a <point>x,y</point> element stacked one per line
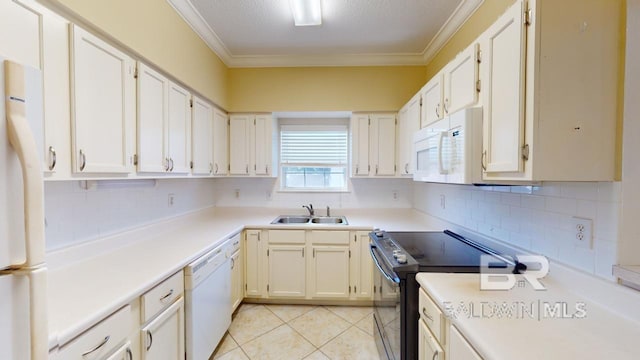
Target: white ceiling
<point>249,33</point>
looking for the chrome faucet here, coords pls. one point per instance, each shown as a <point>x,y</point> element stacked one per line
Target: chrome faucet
<point>309,208</point>
<point>328,211</point>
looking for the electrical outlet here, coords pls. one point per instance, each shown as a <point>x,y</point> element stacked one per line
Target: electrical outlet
<point>395,195</point>
<point>269,195</point>
<point>443,201</point>
<point>582,228</point>
<point>171,200</point>
<point>237,192</point>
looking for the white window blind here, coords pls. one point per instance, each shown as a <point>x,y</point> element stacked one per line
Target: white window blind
<point>317,145</point>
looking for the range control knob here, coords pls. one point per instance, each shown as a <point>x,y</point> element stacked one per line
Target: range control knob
<point>396,253</point>
<point>379,233</point>
<point>402,258</point>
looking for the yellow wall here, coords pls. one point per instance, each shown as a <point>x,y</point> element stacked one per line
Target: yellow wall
<point>371,88</point>
<point>486,15</point>
<point>153,29</point>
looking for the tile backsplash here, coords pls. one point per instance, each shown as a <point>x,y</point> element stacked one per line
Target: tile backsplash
<point>537,218</point>
<point>364,193</point>
<point>75,215</point>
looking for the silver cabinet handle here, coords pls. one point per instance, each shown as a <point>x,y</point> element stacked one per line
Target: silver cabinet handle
<point>166,296</point>
<point>83,160</point>
<point>483,160</point>
<point>247,169</point>
<point>103,343</point>
<point>446,106</point>
<point>438,110</point>
<point>150,337</point>
<point>210,168</point>
<point>266,169</point>
<point>436,355</point>
<point>129,354</point>
<point>52,152</point>
<point>166,164</point>
<point>216,168</point>
<point>424,312</point>
<point>376,169</point>
<point>233,263</point>
<point>406,168</point>
<point>171,159</point>
<point>357,168</point>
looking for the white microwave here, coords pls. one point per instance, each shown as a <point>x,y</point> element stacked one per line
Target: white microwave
<point>449,150</point>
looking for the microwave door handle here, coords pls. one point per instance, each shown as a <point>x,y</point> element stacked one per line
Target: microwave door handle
<point>375,261</point>
<point>22,140</point>
<point>440,142</point>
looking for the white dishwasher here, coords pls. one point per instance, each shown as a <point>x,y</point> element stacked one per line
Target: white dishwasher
<point>207,302</point>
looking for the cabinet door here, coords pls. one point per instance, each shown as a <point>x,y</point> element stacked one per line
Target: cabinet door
<point>428,347</point>
<point>163,337</point>
<point>253,263</point>
<point>239,140</point>
<point>236,280</point>
<point>431,93</point>
<point>459,348</point>
<point>360,145</point>
<point>503,49</point>
<point>123,353</point>
<point>408,124</point>
<point>152,118</point>
<point>220,142</point>
<point>361,266</point>
<point>103,106</point>
<point>382,144</point>
<point>202,137</point>
<point>330,272</point>
<point>460,77</point>
<point>286,271</point>
<point>262,136</point>
<point>179,129</point>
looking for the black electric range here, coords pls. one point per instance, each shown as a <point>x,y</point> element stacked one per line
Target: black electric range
<point>399,256</point>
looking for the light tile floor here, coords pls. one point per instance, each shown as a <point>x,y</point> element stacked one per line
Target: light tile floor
<point>289,332</point>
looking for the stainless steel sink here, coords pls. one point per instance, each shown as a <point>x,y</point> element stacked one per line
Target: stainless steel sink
<point>302,219</point>
<point>329,220</point>
<point>291,219</point>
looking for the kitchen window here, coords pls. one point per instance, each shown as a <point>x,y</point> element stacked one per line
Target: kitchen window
<point>313,157</point>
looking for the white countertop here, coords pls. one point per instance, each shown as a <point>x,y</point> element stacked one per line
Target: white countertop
<point>602,333</point>
<point>116,270</point>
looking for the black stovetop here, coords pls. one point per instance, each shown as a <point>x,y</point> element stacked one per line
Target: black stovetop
<point>430,251</point>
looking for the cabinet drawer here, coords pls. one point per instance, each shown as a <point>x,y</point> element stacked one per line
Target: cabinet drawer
<point>330,237</point>
<point>431,315</point>
<point>286,236</point>
<point>234,243</point>
<point>161,296</point>
<point>101,339</point>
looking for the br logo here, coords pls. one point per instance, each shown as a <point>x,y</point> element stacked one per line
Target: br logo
<point>495,276</point>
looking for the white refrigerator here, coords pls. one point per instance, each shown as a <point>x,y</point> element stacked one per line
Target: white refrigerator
<point>23,287</point>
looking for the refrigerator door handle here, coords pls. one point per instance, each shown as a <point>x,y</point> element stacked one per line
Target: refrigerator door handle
<point>23,142</point>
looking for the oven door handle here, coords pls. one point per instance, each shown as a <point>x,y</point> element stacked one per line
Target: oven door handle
<point>384,273</point>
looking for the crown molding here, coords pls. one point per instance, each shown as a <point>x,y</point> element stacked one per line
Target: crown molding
<point>193,18</point>
<point>460,15</point>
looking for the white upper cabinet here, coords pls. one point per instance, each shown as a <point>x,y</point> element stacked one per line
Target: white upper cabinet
<point>32,35</point>
<point>382,144</point>
<point>432,105</point>
<point>179,129</point>
<point>373,144</point>
<point>220,143</point>
<point>202,137</point>
<point>103,105</point>
<point>460,80</point>
<point>503,48</point>
<point>240,127</point>
<point>549,95</point>
<point>360,145</point>
<point>164,124</point>
<point>251,145</point>
<point>152,116</point>
<point>408,124</point>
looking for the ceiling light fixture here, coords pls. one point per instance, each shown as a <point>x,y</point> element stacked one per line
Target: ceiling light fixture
<point>306,12</point>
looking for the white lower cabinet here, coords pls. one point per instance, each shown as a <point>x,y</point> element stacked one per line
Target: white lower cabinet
<point>237,273</point>
<point>329,265</point>
<point>361,266</point>
<point>459,347</point>
<point>254,260</point>
<point>428,347</point>
<point>123,353</point>
<point>286,259</point>
<point>163,337</point>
